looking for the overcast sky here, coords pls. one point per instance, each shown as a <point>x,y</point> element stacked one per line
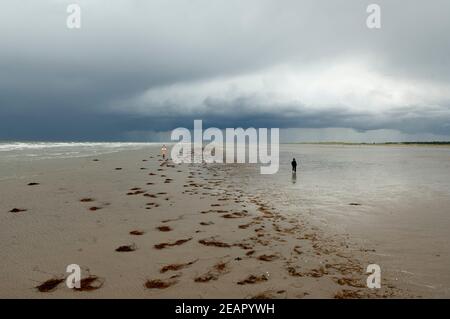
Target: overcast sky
<point>139,68</point>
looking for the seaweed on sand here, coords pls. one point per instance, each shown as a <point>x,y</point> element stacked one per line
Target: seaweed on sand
<point>126,248</point>
<point>176,243</point>
<point>218,269</point>
<point>159,284</point>
<point>268,257</point>
<point>175,267</point>
<point>252,279</point>
<point>136,232</point>
<point>90,283</point>
<point>214,243</point>
<point>17,210</point>
<point>49,285</point>
<point>164,228</point>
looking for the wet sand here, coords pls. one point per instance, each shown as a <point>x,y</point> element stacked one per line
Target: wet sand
<point>140,227</point>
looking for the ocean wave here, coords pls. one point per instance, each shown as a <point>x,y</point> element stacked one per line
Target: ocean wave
<point>18,146</point>
<point>47,150</point>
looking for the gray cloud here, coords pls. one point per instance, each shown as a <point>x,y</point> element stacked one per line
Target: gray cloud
<point>122,72</point>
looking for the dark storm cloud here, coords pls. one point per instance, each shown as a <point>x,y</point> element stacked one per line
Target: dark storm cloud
<point>142,66</point>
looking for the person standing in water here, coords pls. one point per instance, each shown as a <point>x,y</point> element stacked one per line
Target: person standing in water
<point>164,151</point>
<point>294,165</point>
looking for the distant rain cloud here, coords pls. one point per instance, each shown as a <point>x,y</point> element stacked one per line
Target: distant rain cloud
<point>137,69</point>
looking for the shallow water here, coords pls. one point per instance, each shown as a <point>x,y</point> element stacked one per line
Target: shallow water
<point>403,197</point>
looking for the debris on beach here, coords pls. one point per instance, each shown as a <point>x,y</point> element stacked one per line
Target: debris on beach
<point>252,279</point>
<point>235,215</point>
<point>49,285</point>
<point>136,232</point>
<point>126,248</point>
<point>175,267</point>
<point>263,295</point>
<point>268,257</point>
<point>159,284</point>
<point>86,200</point>
<point>217,270</point>
<point>136,192</point>
<point>213,242</point>
<point>164,228</point>
<point>17,210</point>
<point>176,243</point>
<point>347,294</point>
<point>349,282</point>
<point>90,283</point>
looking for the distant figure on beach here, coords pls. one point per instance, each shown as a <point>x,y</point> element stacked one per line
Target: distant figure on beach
<point>164,151</point>
<point>294,165</point>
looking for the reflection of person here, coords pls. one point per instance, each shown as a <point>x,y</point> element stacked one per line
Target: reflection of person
<point>294,165</point>
<point>294,177</point>
<point>164,151</point>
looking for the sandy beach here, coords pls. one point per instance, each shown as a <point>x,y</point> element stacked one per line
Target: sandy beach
<point>141,227</point>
